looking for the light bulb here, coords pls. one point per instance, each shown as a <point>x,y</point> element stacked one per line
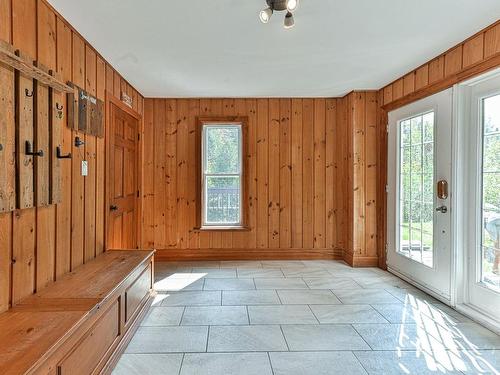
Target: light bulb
<point>291,5</point>
<point>265,15</point>
<point>289,21</point>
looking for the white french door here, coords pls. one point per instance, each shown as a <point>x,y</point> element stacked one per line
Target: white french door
<point>480,123</point>
<point>418,201</point>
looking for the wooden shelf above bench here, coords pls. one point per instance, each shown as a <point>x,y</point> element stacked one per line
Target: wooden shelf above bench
<point>92,310</point>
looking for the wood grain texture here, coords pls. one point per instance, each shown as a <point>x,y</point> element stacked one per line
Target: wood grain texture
<point>24,223</point>
<point>39,245</point>
<point>44,330</point>
<point>7,140</point>
<point>63,209</point>
<point>290,161</point>
<point>473,50</point>
<point>360,123</point>
<point>472,57</point>
<point>90,157</point>
<point>492,41</point>
<point>6,76</point>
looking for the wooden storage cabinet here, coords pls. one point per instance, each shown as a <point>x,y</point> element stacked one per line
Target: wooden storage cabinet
<point>82,323</point>
<point>90,352</point>
<point>137,292</point>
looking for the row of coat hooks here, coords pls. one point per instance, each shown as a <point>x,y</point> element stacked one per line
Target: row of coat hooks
<point>32,107</point>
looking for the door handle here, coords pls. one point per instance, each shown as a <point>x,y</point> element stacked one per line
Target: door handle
<point>113,207</point>
<point>442,209</point>
<point>442,189</point>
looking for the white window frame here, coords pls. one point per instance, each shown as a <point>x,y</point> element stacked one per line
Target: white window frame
<point>435,281</point>
<point>204,175</point>
<point>468,199</point>
<point>415,114</point>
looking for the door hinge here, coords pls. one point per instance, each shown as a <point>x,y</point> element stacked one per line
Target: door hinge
<point>138,136</point>
<point>387,128</point>
<point>137,193</point>
<point>386,188</point>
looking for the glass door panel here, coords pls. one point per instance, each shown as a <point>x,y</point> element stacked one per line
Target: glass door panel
<point>418,218</point>
<point>489,248</point>
<point>416,188</point>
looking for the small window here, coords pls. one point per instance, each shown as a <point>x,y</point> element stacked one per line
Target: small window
<point>222,181</point>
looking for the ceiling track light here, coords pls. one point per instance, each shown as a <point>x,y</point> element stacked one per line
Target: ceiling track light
<point>265,15</point>
<point>280,6</point>
<point>289,21</point>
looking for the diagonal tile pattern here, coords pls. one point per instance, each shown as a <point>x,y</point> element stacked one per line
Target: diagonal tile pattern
<point>301,317</point>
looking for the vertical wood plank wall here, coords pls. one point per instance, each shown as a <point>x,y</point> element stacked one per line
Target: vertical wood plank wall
<point>297,200</point>
<point>361,139</point>
<point>38,245</point>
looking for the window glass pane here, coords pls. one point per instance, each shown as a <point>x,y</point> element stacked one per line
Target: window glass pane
<point>416,244</point>
<point>490,244</point>
<point>405,132</point>
<point>417,188</point>
<point>428,127</point>
<point>428,188</point>
<point>428,150</point>
<point>222,200</point>
<point>416,130</point>
<point>222,150</point>
<point>416,159</point>
<point>405,228</point>
<point>406,187</point>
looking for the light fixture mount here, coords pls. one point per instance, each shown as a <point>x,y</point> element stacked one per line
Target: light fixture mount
<point>278,5</point>
<point>288,6</point>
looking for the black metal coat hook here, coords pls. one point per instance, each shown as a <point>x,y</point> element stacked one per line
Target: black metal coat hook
<point>59,110</point>
<point>29,150</point>
<point>59,154</point>
<point>78,142</point>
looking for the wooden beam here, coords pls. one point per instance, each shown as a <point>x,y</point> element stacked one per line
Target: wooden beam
<point>9,58</point>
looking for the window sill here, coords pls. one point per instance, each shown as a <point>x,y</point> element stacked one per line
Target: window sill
<point>222,229</point>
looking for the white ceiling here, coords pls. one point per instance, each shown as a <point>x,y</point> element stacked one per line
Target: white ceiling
<point>219,48</point>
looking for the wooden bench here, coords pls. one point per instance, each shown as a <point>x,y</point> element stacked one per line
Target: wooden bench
<point>81,323</point>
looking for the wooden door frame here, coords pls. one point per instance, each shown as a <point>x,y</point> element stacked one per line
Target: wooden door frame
<point>112,100</point>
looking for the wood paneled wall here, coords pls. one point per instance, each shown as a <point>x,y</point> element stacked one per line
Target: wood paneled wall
<point>361,124</point>
<point>479,53</point>
<point>38,245</point>
<point>297,170</point>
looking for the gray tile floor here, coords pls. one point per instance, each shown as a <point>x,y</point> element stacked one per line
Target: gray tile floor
<point>300,317</point>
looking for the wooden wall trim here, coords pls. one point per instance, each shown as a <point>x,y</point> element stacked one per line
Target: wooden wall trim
<point>248,254</point>
<point>473,56</point>
<point>466,73</point>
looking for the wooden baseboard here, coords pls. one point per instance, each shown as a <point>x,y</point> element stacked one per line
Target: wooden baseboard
<point>247,254</point>
<point>360,261</point>
<point>115,356</point>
